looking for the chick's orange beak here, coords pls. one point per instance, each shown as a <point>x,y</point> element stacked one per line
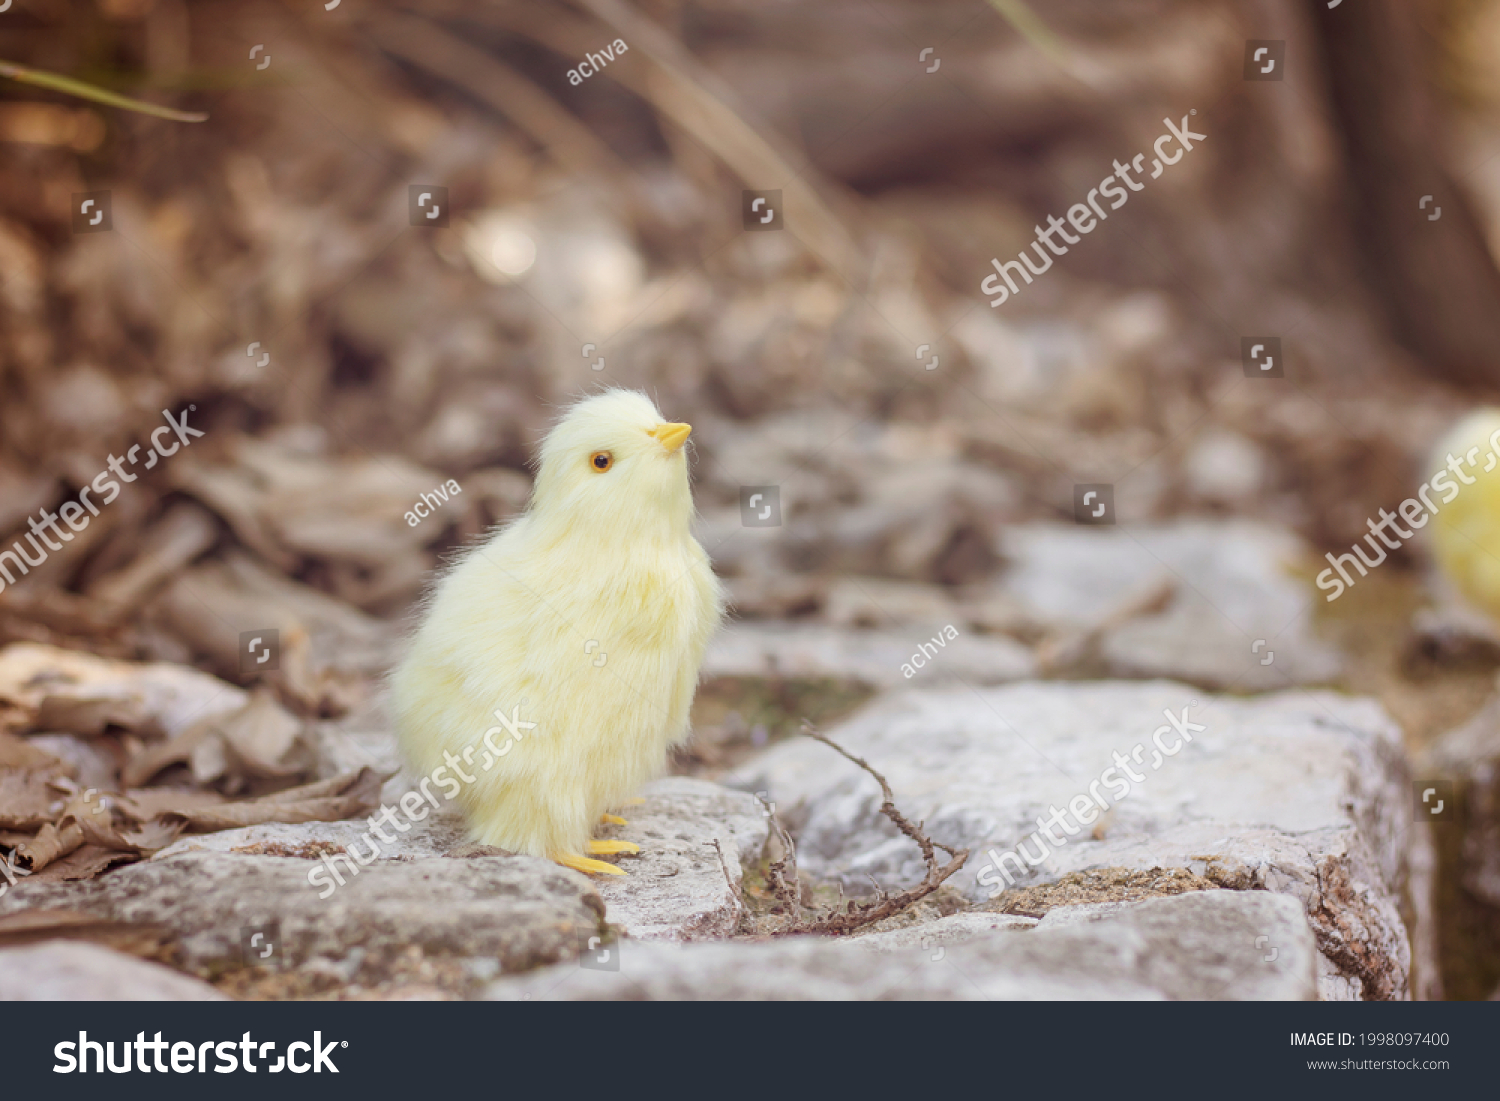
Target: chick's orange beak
<point>671,436</point>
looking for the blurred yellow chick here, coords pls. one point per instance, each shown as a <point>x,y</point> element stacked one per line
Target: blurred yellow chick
<point>1466,528</point>
<point>587,616</point>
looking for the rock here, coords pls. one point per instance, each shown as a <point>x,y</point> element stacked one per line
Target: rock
<point>853,497</point>
<point>924,518</point>
<point>954,929</point>
<point>1463,768</point>
<point>815,450</point>
<point>1078,915</point>
<point>1230,945</point>
<point>676,888</point>
<point>1238,620</point>
<point>1451,636</point>
<point>438,835</point>
<point>1305,794</point>
<point>874,602</point>
<point>776,595</point>
<point>1225,468</point>
<point>759,649</point>
<point>519,910</point>
<point>74,971</point>
<point>1462,771</point>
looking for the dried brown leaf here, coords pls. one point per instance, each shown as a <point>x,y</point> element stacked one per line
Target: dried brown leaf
<point>103,827</point>
<point>151,759</point>
<point>181,536</point>
<point>330,800</point>
<point>286,505</point>
<point>152,836</point>
<point>26,798</point>
<point>314,690</point>
<point>34,926</point>
<point>143,804</point>
<point>57,611</point>
<point>261,739</point>
<point>237,501</point>
<point>90,717</point>
<point>22,494</point>
<point>51,843</point>
<point>241,589</point>
<point>264,737</point>
<point>85,862</point>
<point>84,690</point>
<point>19,753</point>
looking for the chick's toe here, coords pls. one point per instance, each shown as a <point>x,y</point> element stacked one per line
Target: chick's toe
<point>584,864</point>
<point>605,847</point>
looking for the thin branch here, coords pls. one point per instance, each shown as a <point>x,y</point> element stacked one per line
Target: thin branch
<point>689,93</point>
<point>1031,28</point>
<point>781,875</point>
<point>724,866</point>
<point>856,915</point>
<point>1059,652</point>
<point>431,47</point>
<point>58,83</point>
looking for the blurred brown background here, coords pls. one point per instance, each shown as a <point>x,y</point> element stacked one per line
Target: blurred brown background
<point>607,213</point>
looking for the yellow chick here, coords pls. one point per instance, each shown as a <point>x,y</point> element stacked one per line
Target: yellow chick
<point>1466,527</point>
<point>557,662</point>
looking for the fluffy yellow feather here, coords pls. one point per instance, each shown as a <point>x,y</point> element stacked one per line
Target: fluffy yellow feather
<point>588,615</point>
<point>1466,529</point>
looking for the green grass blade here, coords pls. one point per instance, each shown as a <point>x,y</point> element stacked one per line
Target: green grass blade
<point>68,85</point>
<point>1031,28</point>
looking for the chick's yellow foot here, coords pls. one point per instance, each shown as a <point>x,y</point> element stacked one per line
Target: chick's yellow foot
<point>613,820</point>
<point>584,864</point>
<point>604,847</point>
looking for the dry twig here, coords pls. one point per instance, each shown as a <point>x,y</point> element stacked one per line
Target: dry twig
<point>781,874</point>
<point>856,915</point>
<point>729,879</point>
<point>1064,651</point>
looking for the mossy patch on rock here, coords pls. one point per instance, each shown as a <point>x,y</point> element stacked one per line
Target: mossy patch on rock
<point>1099,885</point>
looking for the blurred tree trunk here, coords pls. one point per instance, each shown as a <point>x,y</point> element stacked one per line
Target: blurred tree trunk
<point>1436,278</point>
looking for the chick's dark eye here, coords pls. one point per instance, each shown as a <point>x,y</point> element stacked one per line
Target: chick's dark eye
<point>601,461</point>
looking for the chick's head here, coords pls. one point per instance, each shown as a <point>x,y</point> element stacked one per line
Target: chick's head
<point>614,465</point>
